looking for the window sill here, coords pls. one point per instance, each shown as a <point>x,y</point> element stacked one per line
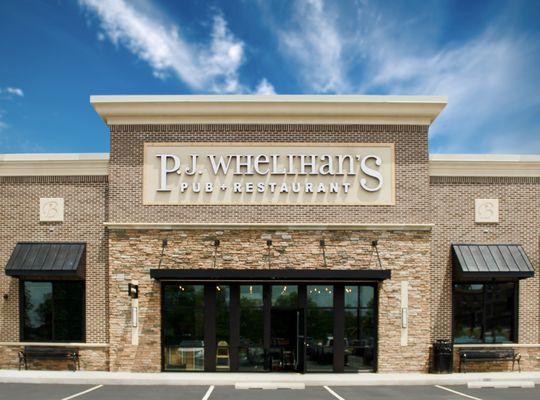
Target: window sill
<point>56,344</point>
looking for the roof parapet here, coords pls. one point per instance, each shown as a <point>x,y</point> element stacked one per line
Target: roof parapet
<point>268,109</point>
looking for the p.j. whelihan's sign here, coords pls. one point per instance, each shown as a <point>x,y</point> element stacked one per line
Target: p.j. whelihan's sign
<point>268,173</point>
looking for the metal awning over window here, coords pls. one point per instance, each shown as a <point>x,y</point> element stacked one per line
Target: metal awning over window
<point>275,275</point>
<point>47,259</point>
<point>474,262</point>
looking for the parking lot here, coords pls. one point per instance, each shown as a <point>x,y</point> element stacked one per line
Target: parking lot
<point>17,391</point>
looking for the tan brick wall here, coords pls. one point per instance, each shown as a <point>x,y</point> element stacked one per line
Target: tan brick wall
<point>85,211</point>
<point>412,182</point>
<point>133,253</point>
<point>453,215</point>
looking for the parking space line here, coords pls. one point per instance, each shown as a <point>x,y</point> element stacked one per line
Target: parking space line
<point>81,393</point>
<point>337,396</point>
<point>208,393</point>
<point>459,393</point>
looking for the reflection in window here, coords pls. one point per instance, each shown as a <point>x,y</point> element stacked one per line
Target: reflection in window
<point>484,313</point>
<point>285,296</point>
<point>251,349</point>
<point>222,327</point>
<point>53,311</point>
<point>320,328</point>
<point>183,327</point>
<point>359,327</point>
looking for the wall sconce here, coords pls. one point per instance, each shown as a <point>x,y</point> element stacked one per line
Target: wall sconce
<point>164,244</point>
<point>133,291</point>
<point>269,255</point>
<point>322,243</point>
<point>6,296</point>
<point>216,245</point>
<point>374,244</point>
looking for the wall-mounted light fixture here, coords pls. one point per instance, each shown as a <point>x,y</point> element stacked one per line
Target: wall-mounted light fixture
<point>133,291</point>
<point>6,296</point>
<point>269,254</point>
<point>164,244</point>
<point>322,243</point>
<point>374,244</point>
<point>216,245</point>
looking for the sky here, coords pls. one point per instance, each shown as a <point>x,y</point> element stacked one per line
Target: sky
<point>483,55</point>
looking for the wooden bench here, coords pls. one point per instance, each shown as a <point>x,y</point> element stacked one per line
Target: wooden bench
<point>49,353</point>
<point>466,355</point>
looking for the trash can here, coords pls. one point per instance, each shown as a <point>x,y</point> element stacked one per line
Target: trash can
<point>442,357</point>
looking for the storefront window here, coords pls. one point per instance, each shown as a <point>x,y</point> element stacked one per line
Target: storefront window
<point>359,328</point>
<point>484,313</point>
<point>284,296</point>
<point>251,350</point>
<point>183,327</point>
<point>320,328</point>
<point>53,311</point>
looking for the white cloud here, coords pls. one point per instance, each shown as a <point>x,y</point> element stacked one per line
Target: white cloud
<point>143,31</point>
<point>15,91</point>
<point>489,79</point>
<point>486,80</point>
<point>316,45</point>
<point>264,87</point>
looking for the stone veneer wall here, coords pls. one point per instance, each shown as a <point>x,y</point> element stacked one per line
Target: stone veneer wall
<point>85,211</point>
<point>519,216</point>
<point>133,253</point>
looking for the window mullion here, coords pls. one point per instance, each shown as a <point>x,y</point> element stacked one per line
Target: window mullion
<point>53,313</point>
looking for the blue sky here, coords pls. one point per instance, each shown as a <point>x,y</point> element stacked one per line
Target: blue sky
<point>483,55</point>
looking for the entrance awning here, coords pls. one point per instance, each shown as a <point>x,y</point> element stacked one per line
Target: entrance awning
<point>263,275</point>
<point>47,259</point>
<point>490,261</point>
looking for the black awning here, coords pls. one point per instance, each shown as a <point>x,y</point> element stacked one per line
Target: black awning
<point>47,259</point>
<point>473,262</point>
<point>262,275</point>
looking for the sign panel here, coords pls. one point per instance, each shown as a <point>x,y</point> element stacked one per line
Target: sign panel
<point>268,173</point>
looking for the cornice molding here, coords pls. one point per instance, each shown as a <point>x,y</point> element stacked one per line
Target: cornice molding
<point>440,165</point>
<point>72,164</point>
<point>268,109</point>
<point>484,165</point>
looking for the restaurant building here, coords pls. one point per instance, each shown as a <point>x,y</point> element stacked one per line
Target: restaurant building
<point>267,233</point>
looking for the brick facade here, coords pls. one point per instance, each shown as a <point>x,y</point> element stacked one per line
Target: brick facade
<point>453,214</point>
<point>115,257</point>
<point>85,200</point>
<point>412,183</point>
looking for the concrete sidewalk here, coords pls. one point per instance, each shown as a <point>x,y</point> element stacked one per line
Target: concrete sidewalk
<point>227,378</point>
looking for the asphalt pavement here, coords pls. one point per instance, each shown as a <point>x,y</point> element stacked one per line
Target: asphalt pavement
<point>18,391</point>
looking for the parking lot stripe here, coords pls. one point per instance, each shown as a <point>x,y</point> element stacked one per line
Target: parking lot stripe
<point>337,396</point>
<point>456,392</point>
<point>81,393</point>
<point>208,393</point>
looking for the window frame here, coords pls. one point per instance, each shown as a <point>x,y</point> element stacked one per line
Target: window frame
<point>515,317</point>
<point>22,309</point>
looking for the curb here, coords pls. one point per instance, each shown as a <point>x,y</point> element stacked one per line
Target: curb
<point>232,379</point>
